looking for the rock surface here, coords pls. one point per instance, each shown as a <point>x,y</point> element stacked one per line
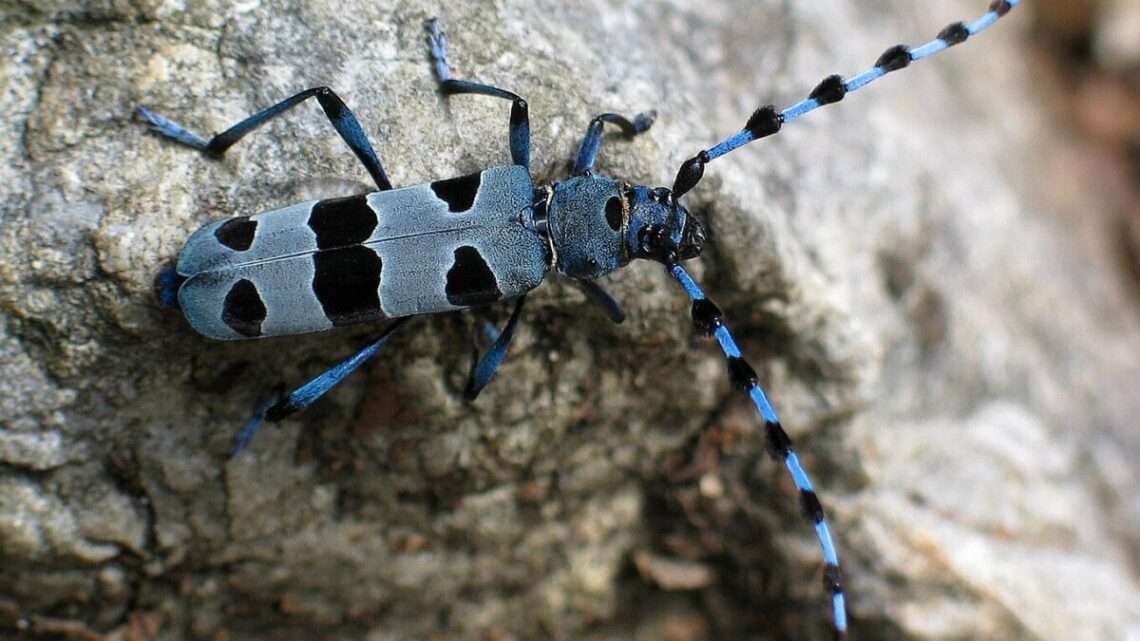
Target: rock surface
<point>930,293</point>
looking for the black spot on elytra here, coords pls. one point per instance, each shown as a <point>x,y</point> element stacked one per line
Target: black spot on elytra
<point>470,281</point>
<point>458,193</point>
<point>236,233</point>
<point>339,222</point>
<point>243,310</point>
<point>613,213</point>
<point>346,281</point>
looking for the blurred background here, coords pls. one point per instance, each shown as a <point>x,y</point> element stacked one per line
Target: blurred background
<point>1089,60</point>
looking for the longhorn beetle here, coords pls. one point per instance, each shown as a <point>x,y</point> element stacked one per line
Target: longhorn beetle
<point>475,240</point>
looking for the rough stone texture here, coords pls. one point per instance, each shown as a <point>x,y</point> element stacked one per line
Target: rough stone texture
<point>932,297</point>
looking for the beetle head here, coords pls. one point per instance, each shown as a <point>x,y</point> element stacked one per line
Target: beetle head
<point>660,228</point>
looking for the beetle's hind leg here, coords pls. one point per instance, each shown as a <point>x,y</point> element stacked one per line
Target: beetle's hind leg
<point>341,117</point>
<point>280,406</point>
<point>520,112</point>
<point>483,369</point>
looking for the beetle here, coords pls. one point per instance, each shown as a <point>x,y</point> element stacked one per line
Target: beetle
<point>475,240</point>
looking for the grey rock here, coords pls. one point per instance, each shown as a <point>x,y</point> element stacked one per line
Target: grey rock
<point>931,298</point>
<point>1116,41</point>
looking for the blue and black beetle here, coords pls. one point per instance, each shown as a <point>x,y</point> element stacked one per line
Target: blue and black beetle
<point>475,240</point>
